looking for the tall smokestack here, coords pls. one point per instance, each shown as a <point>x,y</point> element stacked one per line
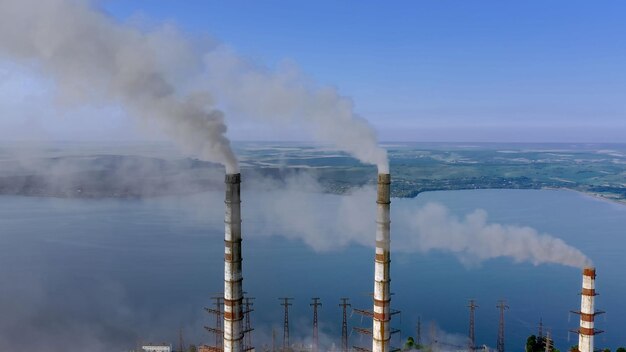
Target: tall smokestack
<point>586,331</point>
<point>381,333</point>
<point>233,290</point>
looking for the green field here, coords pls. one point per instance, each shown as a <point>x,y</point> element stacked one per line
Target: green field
<point>594,169</point>
<point>89,170</point>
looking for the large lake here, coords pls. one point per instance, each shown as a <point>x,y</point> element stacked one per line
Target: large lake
<point>111,273</point>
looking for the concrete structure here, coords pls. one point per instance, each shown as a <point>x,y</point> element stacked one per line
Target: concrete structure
<point>233,288</point>
<point>381,332</point>
<point>587,331</point>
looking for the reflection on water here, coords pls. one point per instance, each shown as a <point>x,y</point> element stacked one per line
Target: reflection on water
<point>115,272</point>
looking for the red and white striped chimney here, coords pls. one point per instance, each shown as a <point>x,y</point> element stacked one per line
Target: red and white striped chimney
<point>381,333</point>
<point>586,331</point>
<point>233,278</point>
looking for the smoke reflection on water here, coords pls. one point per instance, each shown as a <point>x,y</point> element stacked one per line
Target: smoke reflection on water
<point>117,271</point>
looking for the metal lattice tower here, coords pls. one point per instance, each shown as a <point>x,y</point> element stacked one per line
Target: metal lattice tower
<point>181,342</point>
<point>219,305</point>
<point>218,302</point>
<point>418,333</point>
<point>502,306</point>
<point>344,324</point>
<point>316,303</point>
<point>273,340</point>
<point>247,324</point>
<point>548,342</point>
<point>540,334</point>
<point>472,308</point>
<point>286,304</point>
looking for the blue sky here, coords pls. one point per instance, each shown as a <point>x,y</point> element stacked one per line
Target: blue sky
<point>436,70</point>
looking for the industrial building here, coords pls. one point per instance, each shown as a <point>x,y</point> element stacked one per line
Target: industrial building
<point>157,348</point>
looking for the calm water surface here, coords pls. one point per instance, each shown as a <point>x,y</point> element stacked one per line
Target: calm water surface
<point>115,272</point>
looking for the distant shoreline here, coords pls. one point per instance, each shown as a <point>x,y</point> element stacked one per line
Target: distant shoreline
<point>597,196</point>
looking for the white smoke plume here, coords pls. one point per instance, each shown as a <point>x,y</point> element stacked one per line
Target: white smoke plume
<point>288,96</point>
<point>93,59</point>
<point>474,238</point>
<point>440,340</point>
<point>415,228</point>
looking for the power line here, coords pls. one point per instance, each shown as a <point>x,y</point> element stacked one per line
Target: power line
<point>502,306</point>
<point>344,324</point>
<point>316,303</point>
<point>472,341</point>
<point>286,304</point>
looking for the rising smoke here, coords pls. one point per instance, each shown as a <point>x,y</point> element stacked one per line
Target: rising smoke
<point>110,246</point>
<point>92,58</point>
<point>287,96</point>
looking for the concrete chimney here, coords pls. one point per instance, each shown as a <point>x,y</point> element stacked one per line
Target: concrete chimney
<point>381,333</point>
<point>586,331</point>
<point>233,290</point>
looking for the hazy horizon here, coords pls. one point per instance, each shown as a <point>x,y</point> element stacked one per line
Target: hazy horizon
<point>119,121</point>
<point>480,72</point>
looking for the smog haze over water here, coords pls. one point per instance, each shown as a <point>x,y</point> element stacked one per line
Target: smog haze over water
<point>116,127</point>
<point>112,272</point>
<point>117,268</point>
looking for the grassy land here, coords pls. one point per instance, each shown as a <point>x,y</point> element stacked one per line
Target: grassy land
<point>80,171</point>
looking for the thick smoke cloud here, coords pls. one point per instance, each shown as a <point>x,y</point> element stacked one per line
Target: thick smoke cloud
<point>415,228</point>
<point>286,96</point>
<point>93,59</point>
<point>153,74</point>
<point>74,296</point>
<point>299,209</point>
<point>474,238</point>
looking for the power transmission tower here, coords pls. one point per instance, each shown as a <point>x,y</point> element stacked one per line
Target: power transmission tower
<point>247,329</point>
<point>502,306</point>
<point>548,341</point>
<point>219,304</point>
<point>286,304</point>
<point>540,335</point>
<point>316,303</point>
<point>181,343</point>
<point>218,301</point>
<point>418,333</point>
<point>472,307</point>
<point>273,340</point>
<point>344,324</point>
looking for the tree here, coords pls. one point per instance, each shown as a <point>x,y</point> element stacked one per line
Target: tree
<point>531,343</point>
<point>410,344</point>
<point>620,349</point>
<point>541,344</point>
